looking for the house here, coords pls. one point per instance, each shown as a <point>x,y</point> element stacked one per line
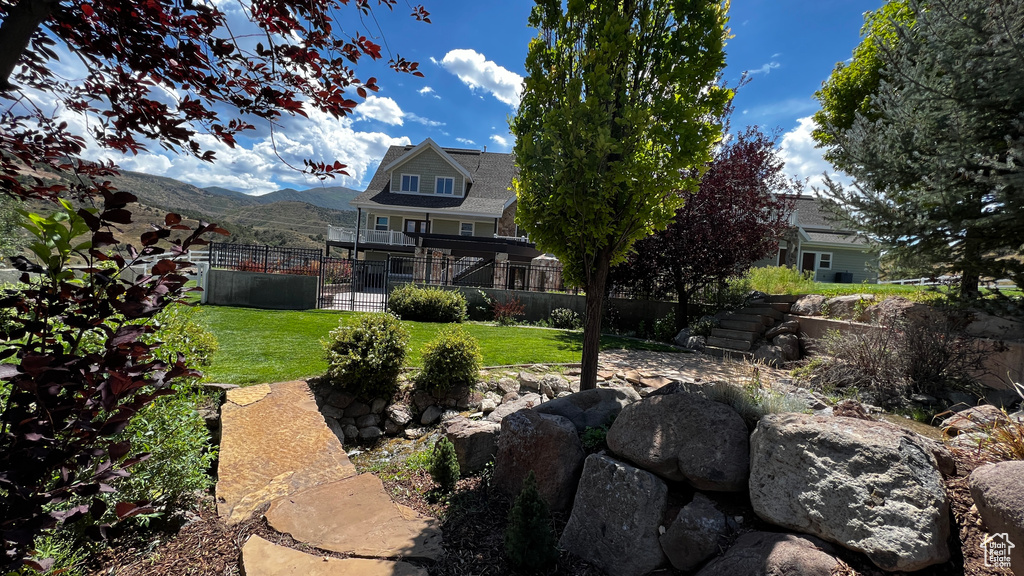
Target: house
<point>817,245</point>
<point>426,200</point>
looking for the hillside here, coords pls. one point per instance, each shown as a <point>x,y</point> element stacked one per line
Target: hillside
<point>334,197</point>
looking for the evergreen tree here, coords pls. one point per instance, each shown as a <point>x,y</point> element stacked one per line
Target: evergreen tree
<point>444,465</point>
<point>937,157</point>
<point>529,540</point>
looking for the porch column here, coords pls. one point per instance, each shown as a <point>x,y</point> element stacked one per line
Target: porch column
<point>500,271</point>
<point>419,265</point>
<point>436,267</point>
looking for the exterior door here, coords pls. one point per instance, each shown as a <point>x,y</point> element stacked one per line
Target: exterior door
<point>809,261</point>
<point>417,226</point>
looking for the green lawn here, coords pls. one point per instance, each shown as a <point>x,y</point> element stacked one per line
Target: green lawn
<point>274,345</point>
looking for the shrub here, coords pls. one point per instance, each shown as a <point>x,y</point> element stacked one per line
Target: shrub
<point>507,313</point>
<point>529,540</point>
<point>449,360</point>
<point>703,326</point>
<point>566,319</point>
<point>367,358</point>
<point>594,438</point>
<point>1006,440</point>
<point>779,280</point>
<point>665,327</point>
<point>901,358</point>
<point>444,465</point>
<point>422,304</point>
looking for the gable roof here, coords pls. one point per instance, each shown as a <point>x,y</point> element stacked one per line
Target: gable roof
<point>488,185</point>
<point>817,225</point>
<point>428,143</point>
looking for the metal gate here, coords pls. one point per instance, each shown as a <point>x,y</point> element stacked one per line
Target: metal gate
<point>356,285</point>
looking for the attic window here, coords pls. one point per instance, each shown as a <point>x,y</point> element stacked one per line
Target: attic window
<point>410,183</point>
<point>445,186</point>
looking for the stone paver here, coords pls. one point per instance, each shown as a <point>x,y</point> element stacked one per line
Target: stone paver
<point>262,558</point>
<point>356,516</point>
<point>274,443</point>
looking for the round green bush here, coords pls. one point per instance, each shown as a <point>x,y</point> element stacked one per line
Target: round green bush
<point>452,359</point>
<point>366,358</point>
<point>411,302</point>
<point>566,319</point>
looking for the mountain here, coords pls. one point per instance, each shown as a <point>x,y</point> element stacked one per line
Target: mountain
<point>333,197</point>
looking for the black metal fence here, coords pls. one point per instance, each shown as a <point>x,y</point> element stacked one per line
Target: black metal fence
<point>268,259</point>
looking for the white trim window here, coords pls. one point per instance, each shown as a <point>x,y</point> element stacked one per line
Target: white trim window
<point>445,186</point>
<point>824,261</point>
<point>381,223</point>
<point>410,183</point>
<point>466,229</point>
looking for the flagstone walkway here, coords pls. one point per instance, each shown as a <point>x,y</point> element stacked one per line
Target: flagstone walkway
<point>276,449</point>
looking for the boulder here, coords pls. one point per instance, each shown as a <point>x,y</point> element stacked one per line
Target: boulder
<point>976,419</point>
<point>357,409</point>
<point>682,337</point>
<point>423,399</point>
<point>296,448</point>
<point>340,399</point>
<point>262,558</point>
<point>399,414</point>
<point>378,405</point>
<point>368,420</point>
<point>487,406</point>
<point>809,305</point>
<point>507,385</point>
<point>356,516</point>
<point>773,554</point>
<point>508,406</point>
<point>370,433</point>
<point>431,414</point>
<point>850,307</point>
<point>615,518</point>
<point>556,384</point>
<point>872,487</point>
<point>684,437</point>
<point>695,535</point>
<point>787,327</point>
<point>475,442</point>
<point>546,444</point>
<point>998,491</point>
<point>790,346</point>
<point>591,408</point>
<point>770,355</point>
<point>985,325</point>
<point>696,343</point>
<point>899,308</point>
<point>528,381</point>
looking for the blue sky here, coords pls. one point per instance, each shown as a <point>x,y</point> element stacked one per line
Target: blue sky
<point>472,56</point>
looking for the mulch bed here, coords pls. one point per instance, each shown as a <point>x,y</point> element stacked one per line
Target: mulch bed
<point>473,520</point>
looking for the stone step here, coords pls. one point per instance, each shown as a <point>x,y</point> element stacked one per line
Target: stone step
<point>727,353</point>
<point>742,345</point>
<point>755,326</point>
<point>263,558</point>
<point>783,307</point>
<point>761,310</point>
<point>735,334</point>
<point>737,317</point>
<point>783,298</point>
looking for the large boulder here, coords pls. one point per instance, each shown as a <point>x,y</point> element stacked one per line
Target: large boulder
<point>985,325</point>
<point>695,535</point>
<point>546,444</point>
<point>809,305</point>
<point>684,437</point>
<point>998,491</point>
<point>872,487</point>
<point>509,405</point>
<point>616,517</point>
<point>773,554</point>
<point>475,442</point>
<point>787,327</point>
<point>789,344</point>
<point>899,308</point>
<point>771,355</point>
<point>975,419</point>
<point>850,307</point>
<point>591,408</point>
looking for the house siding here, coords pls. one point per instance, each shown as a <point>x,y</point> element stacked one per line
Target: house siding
<point>853,260</point>
<point>453,227</point>
<point>428,165</point>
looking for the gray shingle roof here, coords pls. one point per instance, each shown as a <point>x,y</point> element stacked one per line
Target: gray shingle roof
<point>851,239</point>
<point>492,174</point>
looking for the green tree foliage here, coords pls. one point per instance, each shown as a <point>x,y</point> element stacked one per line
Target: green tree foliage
<point>529,540</point>
<point>10,232</point>
<point>444,465</point>
<point>936,159</point>
<point>620,108</point>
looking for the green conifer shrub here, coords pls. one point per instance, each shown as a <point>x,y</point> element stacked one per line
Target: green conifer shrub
<point>529,540</point>
<point>444,465</point>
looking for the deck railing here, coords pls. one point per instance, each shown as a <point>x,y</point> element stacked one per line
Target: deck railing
<point>387,237</point>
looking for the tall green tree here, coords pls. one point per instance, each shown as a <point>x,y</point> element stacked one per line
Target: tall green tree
<point>620,110</point>
<point>935,153</point>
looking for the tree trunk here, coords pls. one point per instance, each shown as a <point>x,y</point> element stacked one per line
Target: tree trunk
<point>682,310</point>
<point>969,276</point>
<point>15,33</point>
<point>592,322</point>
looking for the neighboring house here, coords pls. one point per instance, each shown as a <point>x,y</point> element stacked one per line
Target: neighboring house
<point>815,244</point>
<point>426,199</point>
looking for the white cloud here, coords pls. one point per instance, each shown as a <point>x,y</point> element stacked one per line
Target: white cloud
<point>383,109</point>
<point>803,159</point>
<point>428,91</point>
<point>421,120</point>
<point>479,73</point>
<point>765,69</point>
<point>466,141</point>
<point>500,140</point>
<point>788,108</point>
